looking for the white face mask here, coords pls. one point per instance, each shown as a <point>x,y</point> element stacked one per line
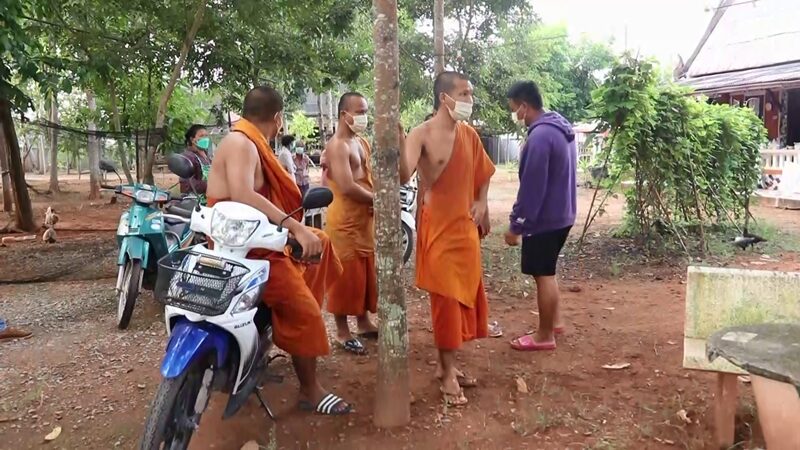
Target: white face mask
<point>515,117</point>
<point>462,111</point>
<point>359,124</point>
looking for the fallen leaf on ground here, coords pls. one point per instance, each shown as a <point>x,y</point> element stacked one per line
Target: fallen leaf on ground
<point>53,434</point>
<point>617,366</point>
<point>684,416</point>
<point>250,445</point>
<point>575,289</point>
<point>671,342</point>
<point>522,387</point>
<point>609,308</point>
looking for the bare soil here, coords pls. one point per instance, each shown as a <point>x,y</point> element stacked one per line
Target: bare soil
<point>80,373</point>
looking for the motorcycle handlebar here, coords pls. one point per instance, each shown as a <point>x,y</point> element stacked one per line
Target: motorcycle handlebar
<point>295,250</point>
<point>176,217</point>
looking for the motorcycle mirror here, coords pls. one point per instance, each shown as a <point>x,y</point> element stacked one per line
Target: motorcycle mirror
<point>180,165</point>
<point>317,197</point>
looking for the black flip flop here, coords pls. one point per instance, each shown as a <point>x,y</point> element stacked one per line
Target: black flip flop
<point>327,406</point>
<point>354,346</point>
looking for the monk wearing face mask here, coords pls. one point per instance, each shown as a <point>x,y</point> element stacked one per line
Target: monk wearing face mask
<point>246,170</point>
<point>350,224</point>
<point>454,173</point>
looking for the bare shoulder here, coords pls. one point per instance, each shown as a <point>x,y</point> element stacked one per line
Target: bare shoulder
<point>235,144</point>
<point>470,130</point>
<point>336,146</point>
<point>419,132</point>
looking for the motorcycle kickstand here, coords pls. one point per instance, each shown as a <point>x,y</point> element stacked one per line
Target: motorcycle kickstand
<point>265,406</point>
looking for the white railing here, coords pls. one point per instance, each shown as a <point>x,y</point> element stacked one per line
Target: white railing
<point>774,160</point>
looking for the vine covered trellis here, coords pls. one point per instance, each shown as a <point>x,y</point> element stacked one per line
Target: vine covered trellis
<point>692,163</point>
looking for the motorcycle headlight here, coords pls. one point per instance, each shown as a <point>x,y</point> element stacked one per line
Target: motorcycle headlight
<point>122,228</point>
<point>231,232</point>
<point>145,197</point>
<point>247,301</point>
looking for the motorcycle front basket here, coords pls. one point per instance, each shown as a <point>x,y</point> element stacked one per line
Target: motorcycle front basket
<point>196,282</point>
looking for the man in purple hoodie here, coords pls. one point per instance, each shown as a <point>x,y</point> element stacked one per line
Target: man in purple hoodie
<point>545,208</point>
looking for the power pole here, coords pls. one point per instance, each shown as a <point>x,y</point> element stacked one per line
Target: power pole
<point>392,395</point>
<point>438,36</point>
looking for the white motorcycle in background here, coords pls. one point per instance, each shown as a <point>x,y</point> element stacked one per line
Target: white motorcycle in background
<point>408,211</point>
<point>220,331</point>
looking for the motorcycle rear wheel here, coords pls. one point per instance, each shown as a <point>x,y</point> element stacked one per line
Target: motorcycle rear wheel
<point>173,417</point>
<point>407,242</point>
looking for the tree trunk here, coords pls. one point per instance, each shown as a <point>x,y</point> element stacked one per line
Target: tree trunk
<point>115,119</point>
<point>54,144</point>
<point>24,211</point>
<point>163,102</point>
<point>93,149</point>
<point>392,396</point>
<point>8,199</point>
<point>438,36</point>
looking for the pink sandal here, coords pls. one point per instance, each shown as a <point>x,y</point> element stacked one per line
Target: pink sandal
<point>559,330</point>
<point>526,343</point>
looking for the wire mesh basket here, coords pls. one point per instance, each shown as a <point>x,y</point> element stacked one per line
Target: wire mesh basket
<point>196,282</point>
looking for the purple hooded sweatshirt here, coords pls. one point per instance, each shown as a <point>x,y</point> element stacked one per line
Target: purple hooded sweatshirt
<point>546,200</point>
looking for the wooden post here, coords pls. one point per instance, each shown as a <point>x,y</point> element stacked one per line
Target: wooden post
<point>725,402</point>
<point>24,211</point>
<point>438,36</point>
<point>392,396</point>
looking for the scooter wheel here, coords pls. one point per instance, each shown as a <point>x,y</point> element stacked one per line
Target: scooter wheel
<point>407,242</point>
<point>128,293</point>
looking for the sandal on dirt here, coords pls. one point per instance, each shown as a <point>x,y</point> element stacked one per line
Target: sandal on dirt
<point>329,406</point>
<point>353,345</point>
<point>368,335</point>
<point>495,331</point>
<point>455,400</point>
<point>526,343</point>
<point>559,330</point>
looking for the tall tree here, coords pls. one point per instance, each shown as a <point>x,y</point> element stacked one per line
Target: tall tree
<point>8,136</point>
<point>5,175</point>
<point>438,36</point>
<point>392,399</point>
<point>93,149</point>
<point>53,134</point>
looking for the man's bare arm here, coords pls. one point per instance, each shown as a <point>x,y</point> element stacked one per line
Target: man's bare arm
<point>339,171</point>
<point>410,152</point>
<point>240,169</point>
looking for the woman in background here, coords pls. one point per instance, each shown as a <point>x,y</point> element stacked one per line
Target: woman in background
<point>197,144</point>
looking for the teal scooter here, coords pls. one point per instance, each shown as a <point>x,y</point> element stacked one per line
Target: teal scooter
<point>144,236</point>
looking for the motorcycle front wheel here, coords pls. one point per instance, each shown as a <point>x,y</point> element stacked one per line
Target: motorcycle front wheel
<point>178,404</point>
<point>128,292</point>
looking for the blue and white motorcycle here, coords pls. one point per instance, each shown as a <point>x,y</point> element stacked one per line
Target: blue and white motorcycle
<point>220,330</point>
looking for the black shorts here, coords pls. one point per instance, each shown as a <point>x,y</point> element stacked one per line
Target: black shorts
<point>540,252</point>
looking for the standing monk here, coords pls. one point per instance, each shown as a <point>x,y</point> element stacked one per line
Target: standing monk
<point>246,170</point>
<point>454,173</point>
<point>350,224</point>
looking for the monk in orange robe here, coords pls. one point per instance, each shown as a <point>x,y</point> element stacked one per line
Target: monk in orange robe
<point>246,170</point>
<point>350,224</point>
<point>454,173</point>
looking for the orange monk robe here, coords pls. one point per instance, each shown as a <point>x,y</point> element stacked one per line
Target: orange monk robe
<point>350,226</point>
<point>448,245</point>
<point>294,291</point>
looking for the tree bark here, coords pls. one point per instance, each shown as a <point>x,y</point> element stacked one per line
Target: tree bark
<point>392,396</point>
<point>438,36</point>
<point>8,139</point>
<point>8,199</point>
<point>93,149</point>
<point>54,143</point>
<point>115,119</point>
<point>163,102</point>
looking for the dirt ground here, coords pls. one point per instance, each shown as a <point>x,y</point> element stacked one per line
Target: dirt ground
<point>80,373</point>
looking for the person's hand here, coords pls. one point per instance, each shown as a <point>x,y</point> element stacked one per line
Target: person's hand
<point>478,211</point>
<point>512,239</point>
<point>401,131</point>
<point>485,226</point>
<point>312,245</point>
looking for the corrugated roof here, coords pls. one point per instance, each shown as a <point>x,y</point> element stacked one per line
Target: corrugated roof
<point>747,34</point>
<point>759,78</point>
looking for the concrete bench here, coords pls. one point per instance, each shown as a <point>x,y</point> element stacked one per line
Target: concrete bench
<point>717,298</point>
